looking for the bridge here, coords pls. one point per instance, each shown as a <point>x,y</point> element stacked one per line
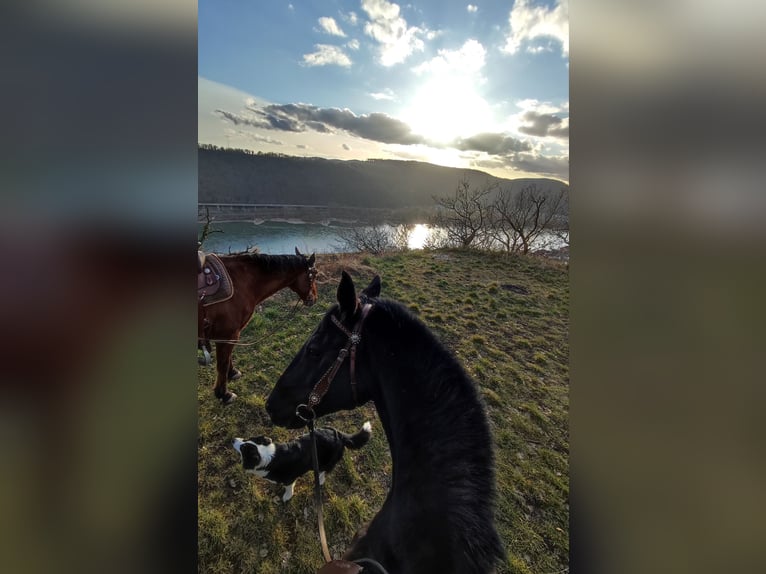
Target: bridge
<point>265,210</point>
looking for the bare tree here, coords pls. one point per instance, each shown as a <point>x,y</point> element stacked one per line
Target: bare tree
<point>560,221</point>
<point>519,219</point>
<point>373,238</point>
<point>465,215</point>
<point>400,237</point>
<point>206,230</point>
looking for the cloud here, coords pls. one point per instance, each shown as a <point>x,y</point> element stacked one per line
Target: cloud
<point>260,138</point>
<point>351,18</point>
<point>397,40</point>
<point>544,125</point>
<point>240,120</point>
<point>330,26</point>
<point>472,9</point>
<point>327,55</point>
<point>303,117</point>
<point>493,150</point>
<point>353,44</point>
<point>468,60</point>
<point>499,150</point>
<point>492,143</point>
<point>386,94</point>
<point>542,119</point>
<point>529,23</point>
<point>531,104</point>
<point>541,166</point>
<point>552,166</point>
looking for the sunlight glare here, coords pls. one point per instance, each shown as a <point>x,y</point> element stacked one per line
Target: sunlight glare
<point>445,108</point>
<point>418,236</point>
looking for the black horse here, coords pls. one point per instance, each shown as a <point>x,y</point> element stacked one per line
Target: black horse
<point>438,515</point>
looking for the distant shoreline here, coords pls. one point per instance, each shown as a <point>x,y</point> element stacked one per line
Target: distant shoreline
<point>341,215</point>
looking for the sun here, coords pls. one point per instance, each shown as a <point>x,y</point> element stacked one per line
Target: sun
<point>447,107</point>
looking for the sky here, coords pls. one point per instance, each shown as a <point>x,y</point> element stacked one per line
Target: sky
<point>481,85</point>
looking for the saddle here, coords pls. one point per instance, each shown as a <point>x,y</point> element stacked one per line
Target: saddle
<point>213,281</point>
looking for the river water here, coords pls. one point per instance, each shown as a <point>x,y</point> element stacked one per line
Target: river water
<point>275,237</point>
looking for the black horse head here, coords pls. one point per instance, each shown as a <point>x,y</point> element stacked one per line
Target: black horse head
<point>316,358</point>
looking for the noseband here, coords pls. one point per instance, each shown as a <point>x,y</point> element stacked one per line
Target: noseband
<point>323,385</point>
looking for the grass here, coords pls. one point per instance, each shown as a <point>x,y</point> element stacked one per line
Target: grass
<point>514,345</point>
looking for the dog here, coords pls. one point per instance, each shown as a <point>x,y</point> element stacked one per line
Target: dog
<point>284,463</point>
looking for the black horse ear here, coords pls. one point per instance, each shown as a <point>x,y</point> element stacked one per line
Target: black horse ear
<point>297,252</point>
<point>312,259</point>
<point>346,294</point>
<point>373,289</point>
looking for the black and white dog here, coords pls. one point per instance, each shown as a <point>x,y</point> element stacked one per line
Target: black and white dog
<point>284,463</point>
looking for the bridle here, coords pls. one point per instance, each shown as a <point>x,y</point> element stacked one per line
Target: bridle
<point>306,411</point>
<point>312,273</point>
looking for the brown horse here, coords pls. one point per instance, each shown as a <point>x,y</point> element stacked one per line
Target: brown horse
<point>255,277</point>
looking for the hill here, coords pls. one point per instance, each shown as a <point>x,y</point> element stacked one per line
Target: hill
<point>239,176</point>
<point>505,318</point>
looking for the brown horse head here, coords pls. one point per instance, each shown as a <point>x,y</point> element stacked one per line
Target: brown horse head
<point>305,284</point>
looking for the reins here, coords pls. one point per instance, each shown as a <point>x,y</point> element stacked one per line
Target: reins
<point>306,413</point>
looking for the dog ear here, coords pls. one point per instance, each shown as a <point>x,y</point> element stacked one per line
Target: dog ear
<point>262,440</point>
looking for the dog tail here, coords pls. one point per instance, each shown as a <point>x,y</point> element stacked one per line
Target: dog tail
<point>359,439</point>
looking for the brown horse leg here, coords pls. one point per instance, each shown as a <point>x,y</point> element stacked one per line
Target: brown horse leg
<point>223,367</point>
<point>233,373</point>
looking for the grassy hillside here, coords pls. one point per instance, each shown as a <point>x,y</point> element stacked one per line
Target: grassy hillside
<point>505,318</point>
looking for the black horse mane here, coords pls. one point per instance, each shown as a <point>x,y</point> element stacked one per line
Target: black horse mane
<point>457,428</point>
<point>447,373</point>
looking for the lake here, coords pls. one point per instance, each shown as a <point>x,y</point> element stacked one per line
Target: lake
<point>275,237</point>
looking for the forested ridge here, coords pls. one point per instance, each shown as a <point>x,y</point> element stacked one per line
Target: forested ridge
<point>242,176</point>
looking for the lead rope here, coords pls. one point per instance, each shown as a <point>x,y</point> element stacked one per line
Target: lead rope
<point>309,419</point>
